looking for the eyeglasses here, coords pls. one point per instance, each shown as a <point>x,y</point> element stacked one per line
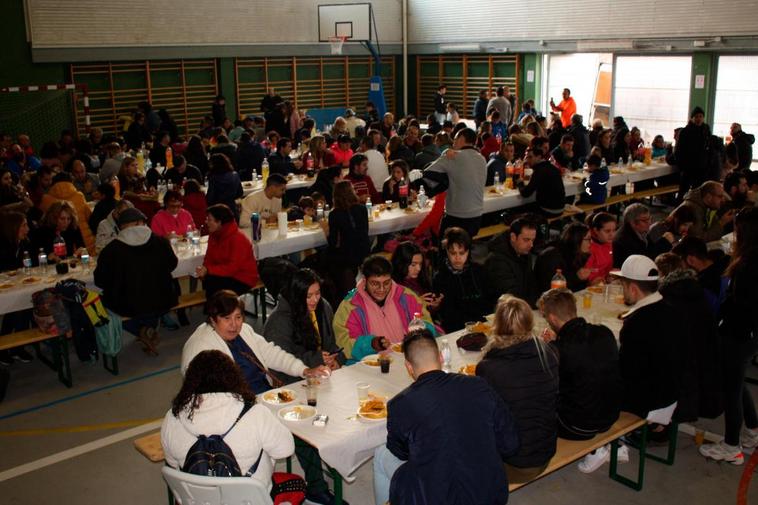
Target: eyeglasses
<point>376,285</point>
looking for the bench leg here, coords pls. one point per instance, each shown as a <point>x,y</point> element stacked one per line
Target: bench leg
<point>613,474</point>
<point>171,500</point>
<point>110,363</point>
<point>671,454</point>
<point>262,298</point>
<point>62,364</point>
<point>288,463</point>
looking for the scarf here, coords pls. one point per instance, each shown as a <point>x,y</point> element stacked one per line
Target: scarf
<point>385,321</point>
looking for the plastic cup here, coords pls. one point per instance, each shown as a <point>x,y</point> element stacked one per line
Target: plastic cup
<point>587,300</point>
<point>362,388</point>
<point>384,363</point>
<point>307,220</point>
<point>311,390</point>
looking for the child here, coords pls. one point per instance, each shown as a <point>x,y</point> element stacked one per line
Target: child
<point>306,206</point>
<point>596,185</point>
<point>659,147</point>
<point>600,263</point>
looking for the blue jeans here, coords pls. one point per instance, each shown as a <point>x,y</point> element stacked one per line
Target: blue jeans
<point>385,465</point>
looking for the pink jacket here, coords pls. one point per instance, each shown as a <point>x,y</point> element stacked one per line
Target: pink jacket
<point>164,223</point>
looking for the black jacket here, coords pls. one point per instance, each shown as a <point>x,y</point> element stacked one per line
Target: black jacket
<point>496,165</point>
<point>439,104</point>
<point>590,379</point>
<point>554,136</point>
<point>581,143</point>
<point>12,255</point>
<point>230,150</point>
<point>700,353</point>
<point>465,295</point>
<point>348,234</point>
<point>279,164</point>
<point>44,236</point>
<point>552,259</point>
<point>692,149</point>
<point>454,432</point>
<point>250,157</point>
<point>648,358</point>
<point>739,317</point>
<point>548,183</point>
<point>530,390</point>
<point>136,279</point>
<point>192,172</point>
<point>742,147</point>
<point>225,188</point>
<point>508,272</point>
<point>627,242</point>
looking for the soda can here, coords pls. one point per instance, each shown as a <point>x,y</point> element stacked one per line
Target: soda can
<point>255,225</point>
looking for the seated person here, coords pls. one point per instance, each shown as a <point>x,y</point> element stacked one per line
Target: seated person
<point>215,399</point>
<point>258,360</point>
<point>108,230</point>
<point>376,314</point>
<point>84,182</point>
<point>460,283</point>
<point>659,147</point>
<point>589,393</point>
<point>194,202</point>
<point>362,183</point>
<point>325,181</point>
<point>649,354</point>
<point>306,206</point>
<point>670,230</point>
<point>302,322</point>
<point>447,436</point>
<point>103,207</point>
<point>342,151</point>
<point>710,271</point>
<point>172,218</point>
<point>596,185</point>
<point>523,370</point>
<point>569,255</point>
<point>510,262</point>
<point>497,163</point>
<point>134,273</point>
<point>563,155</point>
<point>183,172</point>
<point>632,237</point>
<point>249,157</point>
<point>63,190</point>
<point>59,222</point>
<point>410,270</point>
<point>280,161</point>
<point>391,186</point>
<point>229,262</point>
<point>600,261</point>
<point>546,181</point>
<point>267,203</point>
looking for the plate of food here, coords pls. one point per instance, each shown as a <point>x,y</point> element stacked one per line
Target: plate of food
<point>480,327</point>
<point>11,273</point>
<point>596,288</point>
<point>373,409</point>
<point>373,360</point>
<point>30,280</point>
<point>468,369</point>
<point>297,413</point>
<point>271,226</point>
<point>397,347</point>
<point>410,210</point>
<point>6,285</point>
<point>616,171</point>
<point>279,397</point>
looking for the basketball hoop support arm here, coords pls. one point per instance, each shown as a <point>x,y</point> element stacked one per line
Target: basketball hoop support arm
<point>375,54</point>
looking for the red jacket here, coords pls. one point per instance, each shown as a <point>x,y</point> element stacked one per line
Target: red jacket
<point>195,204</point>
<point>433,220</point>
<point>230,254</point>
<point>363,185</point>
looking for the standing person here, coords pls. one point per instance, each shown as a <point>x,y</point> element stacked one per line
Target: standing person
<point>229,262</point>
<point>738,329</point>
<point>302,323</point>
<point>567,107</point>
<point>440,106</point>
<point>741,147</point>
<point>691,151</point>
<point>460,283</point>
<point>224,185</point>
<point>447,436</point>
<point>523,370</point>
<point>219,110</point>
<point>465,171</point>
<point>134,273</point>
<point>347,235</point>
<point>480,108</point>
<point>510,262</point>
<point>502,105</point>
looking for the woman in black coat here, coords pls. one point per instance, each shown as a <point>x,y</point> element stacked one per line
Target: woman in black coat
<point>569,255</point>
<point>224,185</point>
<point>739,330</point>
<point>523,370</point>
<point>301,323</point>
<point>325,181</point>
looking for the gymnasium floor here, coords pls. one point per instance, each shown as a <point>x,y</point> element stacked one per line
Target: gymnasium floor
<point>74,446</point>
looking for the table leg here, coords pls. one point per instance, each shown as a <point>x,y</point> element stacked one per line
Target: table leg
<point>337,480</point>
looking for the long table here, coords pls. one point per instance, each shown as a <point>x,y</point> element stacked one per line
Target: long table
<point>271,244</point>
<point>346,442</point>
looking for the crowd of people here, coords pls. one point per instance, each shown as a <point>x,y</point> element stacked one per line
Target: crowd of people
<point>346,302</point>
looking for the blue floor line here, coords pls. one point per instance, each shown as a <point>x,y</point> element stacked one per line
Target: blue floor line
<point>87,393</point>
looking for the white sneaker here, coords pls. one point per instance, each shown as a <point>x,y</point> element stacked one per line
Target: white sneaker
<point>622,456</point>
<point>749,438</point>
<point>723,452</point>
<point>595,460</point>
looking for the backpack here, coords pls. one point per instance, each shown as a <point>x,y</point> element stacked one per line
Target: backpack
<point>108,334</point>
<point>49,312</point>
<point>211,456</point>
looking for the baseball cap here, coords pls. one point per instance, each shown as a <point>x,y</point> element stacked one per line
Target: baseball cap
<point>130,215</point>
<point>638,268</point>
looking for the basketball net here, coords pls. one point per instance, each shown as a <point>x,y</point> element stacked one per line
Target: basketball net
<point>336,43</point>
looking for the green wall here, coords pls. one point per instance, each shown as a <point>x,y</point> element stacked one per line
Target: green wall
<point>704,64</point>
<point>533,62</point>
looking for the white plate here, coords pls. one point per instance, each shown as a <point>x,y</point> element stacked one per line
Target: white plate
<point>297,413</point>
<point>272,398</point>
<point>370,419</point>
<point>372,360</point>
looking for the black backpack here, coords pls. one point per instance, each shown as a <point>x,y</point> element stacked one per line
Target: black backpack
<point>211,456</point>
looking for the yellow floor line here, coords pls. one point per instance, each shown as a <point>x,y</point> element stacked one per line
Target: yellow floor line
<point>77,429</point>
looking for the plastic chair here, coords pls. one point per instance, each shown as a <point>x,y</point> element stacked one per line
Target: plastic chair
<point>190,489</point>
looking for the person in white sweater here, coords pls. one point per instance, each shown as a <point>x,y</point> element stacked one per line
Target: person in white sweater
<point>211,399</point>
<point>256,358</point>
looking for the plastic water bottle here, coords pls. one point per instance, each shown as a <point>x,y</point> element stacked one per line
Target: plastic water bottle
<point>205,180</point>
<point>319,212</point>
<point>620,162</point>
<point>446,353</point>
<point>264,169</point>
<point>369,209</point>
<point>85,261</point>
<point>558,281</point>
<point>417,323</point>
<point>327,211</point>
<point>496,182</point>
<point>629,187</point>
<point>603,164</point>
<point>422,199</point>
<point>27,263</point>
<point>42,260</point>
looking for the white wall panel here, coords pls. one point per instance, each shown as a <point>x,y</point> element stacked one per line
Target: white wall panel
<point>437,21</point>
<point>131,23</point>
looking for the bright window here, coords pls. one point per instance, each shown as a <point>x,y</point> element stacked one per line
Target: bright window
<point>653,93</point>
<point>737,95</point>
<point>585,74</point>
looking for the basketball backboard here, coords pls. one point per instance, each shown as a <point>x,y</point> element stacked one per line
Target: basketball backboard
<point>352,21</point>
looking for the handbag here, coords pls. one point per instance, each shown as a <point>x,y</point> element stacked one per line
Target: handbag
<point>287,488</point>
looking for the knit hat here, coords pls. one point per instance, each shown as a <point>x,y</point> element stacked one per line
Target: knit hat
<point>697,110</point>
<point>130,215</point>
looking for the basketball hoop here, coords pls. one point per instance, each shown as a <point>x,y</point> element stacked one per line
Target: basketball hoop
<point>336,43</point>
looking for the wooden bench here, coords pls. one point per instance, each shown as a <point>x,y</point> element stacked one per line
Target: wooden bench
<point>150,447</point>
<point>491,231</point>
<point>616,199</point>
<point>259,300</point>
<point>58,360</point>
<point>568,451</point>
